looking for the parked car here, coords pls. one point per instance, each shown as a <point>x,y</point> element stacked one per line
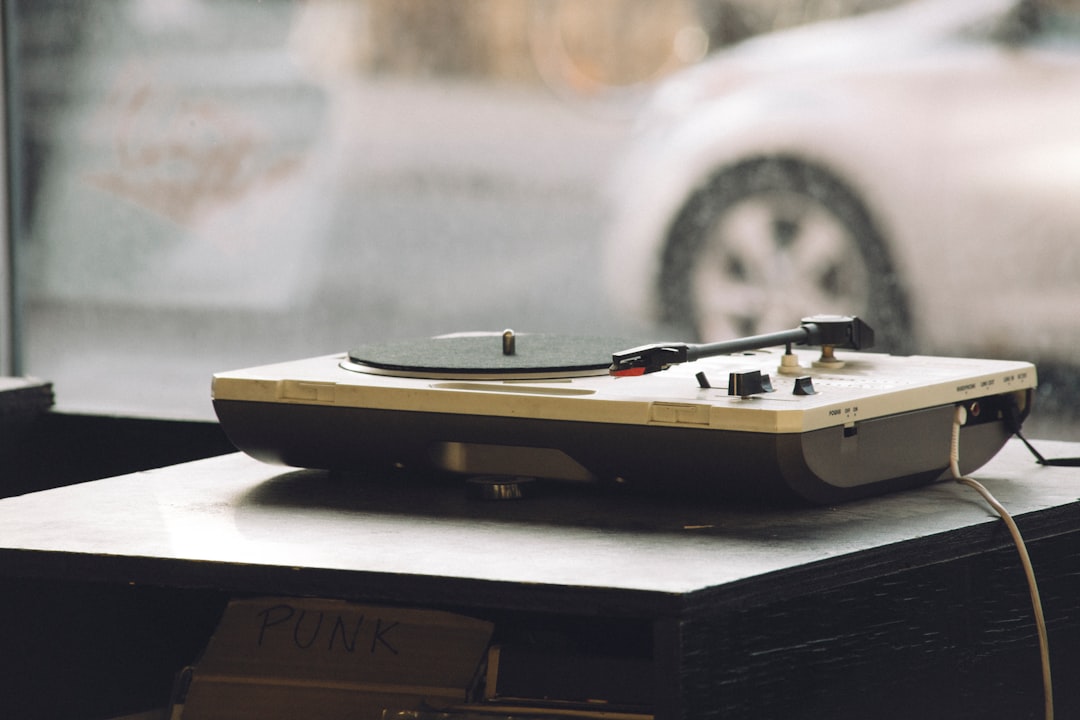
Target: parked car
<point>918,166</point>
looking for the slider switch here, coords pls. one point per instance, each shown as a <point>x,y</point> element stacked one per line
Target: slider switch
<point>750,382</point>
<point>804,386</point>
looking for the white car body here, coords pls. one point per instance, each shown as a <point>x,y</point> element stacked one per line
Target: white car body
<point>964,148</point>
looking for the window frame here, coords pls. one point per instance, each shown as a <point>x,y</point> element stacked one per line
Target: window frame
<point>9,364</point>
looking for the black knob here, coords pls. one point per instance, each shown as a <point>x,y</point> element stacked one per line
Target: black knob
<point>750,382</point>
<point>804,386</point>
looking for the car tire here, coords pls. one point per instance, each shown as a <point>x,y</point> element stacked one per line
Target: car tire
<point>771,240</point>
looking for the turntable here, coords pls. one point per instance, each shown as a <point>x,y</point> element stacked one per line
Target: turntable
<point>758,418</point>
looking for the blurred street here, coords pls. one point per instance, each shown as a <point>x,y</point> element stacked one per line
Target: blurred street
<point>215,185</point>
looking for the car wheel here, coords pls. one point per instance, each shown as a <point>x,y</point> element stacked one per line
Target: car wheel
<point>769,241</point>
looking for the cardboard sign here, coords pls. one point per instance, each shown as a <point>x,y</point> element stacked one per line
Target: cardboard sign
<point>287,658</point>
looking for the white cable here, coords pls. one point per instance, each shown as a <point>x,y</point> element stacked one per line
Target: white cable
<point>1036,603</point>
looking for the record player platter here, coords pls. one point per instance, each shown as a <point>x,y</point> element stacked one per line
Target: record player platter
<point>488,355</point>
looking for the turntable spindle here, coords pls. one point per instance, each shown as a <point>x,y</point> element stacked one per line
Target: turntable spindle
<point>509,342</point>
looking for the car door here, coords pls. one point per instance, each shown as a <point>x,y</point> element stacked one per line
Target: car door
<point>1008,173</point>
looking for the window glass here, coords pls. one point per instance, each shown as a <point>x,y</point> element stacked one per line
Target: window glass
<point>212,184</point>
<point>202,185</point>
